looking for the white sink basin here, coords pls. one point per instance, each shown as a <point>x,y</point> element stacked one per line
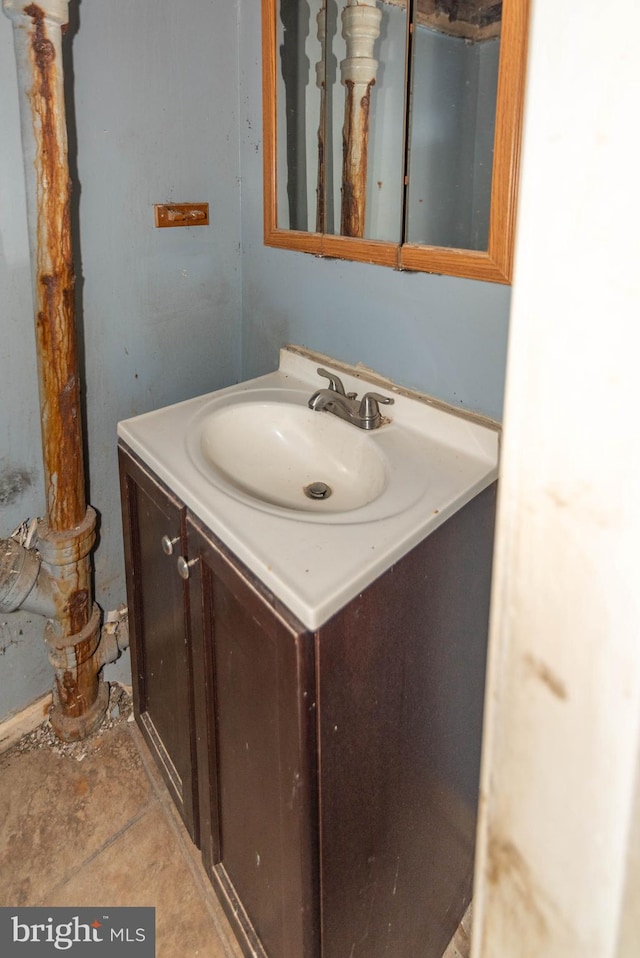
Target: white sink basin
<point>241,458</point>
<point>266,448</point>
<point>290,456</point>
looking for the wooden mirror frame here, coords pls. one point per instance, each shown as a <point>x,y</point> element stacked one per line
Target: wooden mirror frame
<point>494,265</point>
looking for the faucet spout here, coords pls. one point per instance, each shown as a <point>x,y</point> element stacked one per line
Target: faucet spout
<point>363,413</point>
<point>333,401</point>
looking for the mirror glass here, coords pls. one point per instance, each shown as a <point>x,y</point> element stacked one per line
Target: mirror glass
<point>311,115</point>
<point>451,133</point>
<point>392,130</point>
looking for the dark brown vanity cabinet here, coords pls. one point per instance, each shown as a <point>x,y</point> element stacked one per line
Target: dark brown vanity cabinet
<point>337,770</point>
<point>229,712</point>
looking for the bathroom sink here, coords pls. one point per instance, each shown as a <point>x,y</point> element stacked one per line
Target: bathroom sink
<point>314,506</point>
<point>267,449</point>
<point>289,456</point>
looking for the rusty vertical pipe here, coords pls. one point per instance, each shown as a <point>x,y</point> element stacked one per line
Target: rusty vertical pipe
<point>38,45</point>
<point>321,83</point>
<point>360,29</point>
<point>67,535</point>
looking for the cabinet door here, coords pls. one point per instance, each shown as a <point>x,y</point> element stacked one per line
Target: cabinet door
<point>255,708</point>
<point>158,618</point>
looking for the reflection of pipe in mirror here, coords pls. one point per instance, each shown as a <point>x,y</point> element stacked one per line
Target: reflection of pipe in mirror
<point>295,66</point>
<point>360,29</point>
<point>327,19</point>
<point>321,82</point>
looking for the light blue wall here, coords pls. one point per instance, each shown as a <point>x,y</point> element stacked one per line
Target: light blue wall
<point>166,110</point>
<point>156,120</point>
<point>442,335</point>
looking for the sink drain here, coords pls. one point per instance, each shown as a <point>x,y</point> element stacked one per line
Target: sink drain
<point>317,490</point>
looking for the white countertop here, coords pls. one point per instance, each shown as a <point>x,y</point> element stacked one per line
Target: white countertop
<point>315,564</point>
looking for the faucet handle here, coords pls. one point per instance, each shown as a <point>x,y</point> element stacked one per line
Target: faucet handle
<point>369,405</point>
<point>334,382</point>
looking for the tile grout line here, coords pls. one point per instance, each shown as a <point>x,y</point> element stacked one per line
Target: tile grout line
<point>107,844</point>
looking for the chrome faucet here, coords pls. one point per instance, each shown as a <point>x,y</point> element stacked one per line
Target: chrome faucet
<point>363,413</point>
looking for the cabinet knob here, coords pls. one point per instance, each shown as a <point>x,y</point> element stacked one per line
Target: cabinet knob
<point>184,566</point>
<point>168,544</point>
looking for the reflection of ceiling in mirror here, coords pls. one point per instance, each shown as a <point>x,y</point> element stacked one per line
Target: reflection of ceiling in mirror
<point>471,19</point>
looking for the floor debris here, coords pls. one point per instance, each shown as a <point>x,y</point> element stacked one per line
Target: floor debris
<point>119,712</point>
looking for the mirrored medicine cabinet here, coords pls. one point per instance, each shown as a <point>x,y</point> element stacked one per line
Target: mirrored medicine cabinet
<point>392,131</point>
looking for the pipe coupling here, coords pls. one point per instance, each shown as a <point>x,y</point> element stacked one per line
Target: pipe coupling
<point>65,548</point>
<point>69,652</point>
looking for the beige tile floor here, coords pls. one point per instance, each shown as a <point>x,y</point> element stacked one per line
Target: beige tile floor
<point>94,826</point>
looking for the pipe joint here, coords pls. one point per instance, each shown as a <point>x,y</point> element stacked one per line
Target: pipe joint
<point>65,578</point>
<point>58,549</point>
<point>73,651</point>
